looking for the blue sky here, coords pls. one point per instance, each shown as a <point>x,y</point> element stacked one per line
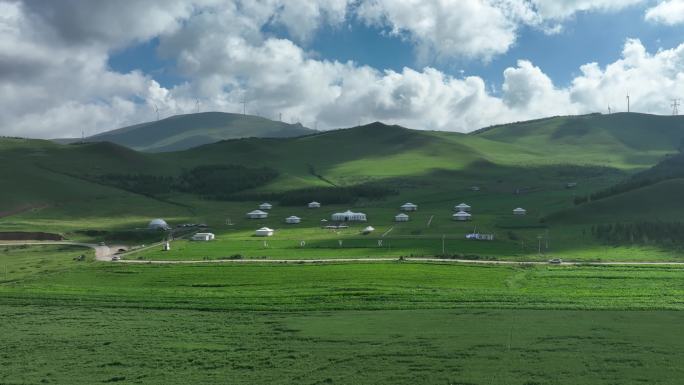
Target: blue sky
<point>585,37</point>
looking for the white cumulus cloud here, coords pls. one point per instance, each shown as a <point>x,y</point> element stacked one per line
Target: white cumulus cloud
<point>669,12</point>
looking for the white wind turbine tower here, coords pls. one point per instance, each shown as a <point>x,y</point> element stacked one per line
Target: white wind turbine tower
<point>197,105</point>
<point>156,109</point>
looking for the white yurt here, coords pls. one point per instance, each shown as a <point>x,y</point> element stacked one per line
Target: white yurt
<point>462,207</point>
<point>519,211</point>
<point>264,232</point>
<point>293,220</point>
<point>368,230</point>
<point>462,216</point>
<point>314,205</point>
<point>265,206</point>
<point>257,214</point>
<point>408,206</point>
<point>203,237</point>
<point>401,218</point>
<point>349,216</point>
<point>158,224</point>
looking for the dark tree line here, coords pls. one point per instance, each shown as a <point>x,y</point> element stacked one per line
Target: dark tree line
<point>325,195</point>
<point>207,181</point>
<point>641,233</point>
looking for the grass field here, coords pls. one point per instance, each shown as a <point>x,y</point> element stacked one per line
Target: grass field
<point>378,323</point>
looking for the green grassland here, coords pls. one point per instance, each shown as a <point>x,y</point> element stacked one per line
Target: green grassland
<point>376,323</point>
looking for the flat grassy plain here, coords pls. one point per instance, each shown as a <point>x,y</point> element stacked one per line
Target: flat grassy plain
<point>375,323</point>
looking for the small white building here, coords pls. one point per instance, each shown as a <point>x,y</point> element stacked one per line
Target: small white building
<point>158,224</point>
<point>264,232</point>
<point>475,188</point>
<point>314,205</point>
<point>257,214</point>
<point>265,206</point>
<point>205,237</point>
<point>368,230</point>
<point>349,216</point>
<point>408,206</point>
<point>462,216</point>
<point>519,211</point>
<point>401,218</point>
<point>293,220</point>
<point>462,207</point>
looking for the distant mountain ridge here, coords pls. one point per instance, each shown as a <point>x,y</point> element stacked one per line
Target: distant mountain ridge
<point>182,132</point>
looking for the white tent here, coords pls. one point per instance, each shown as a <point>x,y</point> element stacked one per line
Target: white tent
<point>462,216</point>
<point>203,237</point>
<point>408,206</point>
<point>519,211</point>
<point>293,220</point>
<point>257,214</point>
<point>314,205</point>
<point>264,232</point>
<point>265,206</point>
<point>368,230</point>
<point>401,218</point>
<point>462,207</point>
<point>349,216</point>
<point>158,224</point>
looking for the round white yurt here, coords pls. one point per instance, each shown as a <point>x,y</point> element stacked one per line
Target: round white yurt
<point>265,206</point>
<point>401,218</point>
<point>463,207</point>
<point>257,214</point>
<point>314,205</point>
<point>293,220</point>
<point>462,216</point>
<point>408,206</point>
<point>519,211</point>
<point>368,230</point>
<point>264,232</point>
<point>158,224</point>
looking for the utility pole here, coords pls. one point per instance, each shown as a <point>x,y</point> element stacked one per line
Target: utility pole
<point>280,117</point>
<point>156,109</point>
<point>609,110</point>
<point>197,105</point>
<point>244,105</point>
<point>675,107</point>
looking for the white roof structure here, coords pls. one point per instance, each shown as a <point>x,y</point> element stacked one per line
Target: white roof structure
<point>401,218</point>
<point>519,211</point>
<point>408,206</point>
<point>264,232</point>
<point>314,205</point>
<point>293,219</point>
<point>461,216</point>
<point>368,230</point>
<point>349,216</point>
<point>462,207</point>
<point>257,214</point>
<point>158,224</point>
<point>265,206</point>
<point>203,237</point>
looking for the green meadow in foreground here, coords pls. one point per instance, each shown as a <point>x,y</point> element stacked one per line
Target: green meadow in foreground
<point>85,322</point>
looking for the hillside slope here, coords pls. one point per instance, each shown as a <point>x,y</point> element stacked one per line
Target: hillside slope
<point>627,140</point>
<point>182,132</point>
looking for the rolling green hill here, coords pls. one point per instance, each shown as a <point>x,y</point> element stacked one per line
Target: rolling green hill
<point>628,140</point>
<point>375,168</point>
<point>181,132</point>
